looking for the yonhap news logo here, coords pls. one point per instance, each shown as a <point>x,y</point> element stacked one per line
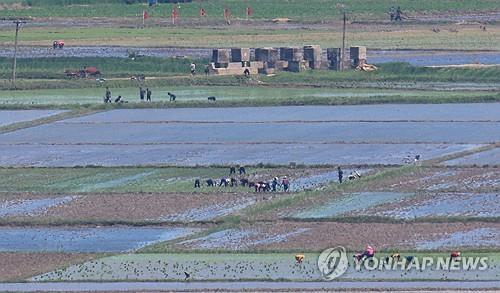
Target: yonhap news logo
<point>334,262</point>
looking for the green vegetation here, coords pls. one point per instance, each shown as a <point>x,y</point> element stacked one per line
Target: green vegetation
<point>390,72</point>
<point>54,68</point>
<point>263,9</point>
<point>98,180</point>
<point>244,95</point>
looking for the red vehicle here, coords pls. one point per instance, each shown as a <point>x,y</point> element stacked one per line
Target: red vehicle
<point>58,44</point>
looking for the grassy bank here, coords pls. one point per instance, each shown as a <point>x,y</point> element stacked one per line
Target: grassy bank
<point>243,95</point>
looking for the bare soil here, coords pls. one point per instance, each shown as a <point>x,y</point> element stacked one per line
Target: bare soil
<point>138,207</point>
<point>19,266</point>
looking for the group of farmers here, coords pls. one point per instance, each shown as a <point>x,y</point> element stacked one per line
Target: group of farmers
<point>259,186</point>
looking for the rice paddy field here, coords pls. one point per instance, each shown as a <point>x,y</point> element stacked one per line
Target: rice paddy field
<point>249,190</point>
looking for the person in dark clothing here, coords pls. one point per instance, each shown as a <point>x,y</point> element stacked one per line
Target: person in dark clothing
<point>232,170</point>
<point>172,97</point>
<point>207,69</point>
<point>141,93</point>
<point>118,99</point>
<point>246,72</point>
<point>210,182</point>
<point>341,174</point>
<point>107,96</point>
<point>197,183</point>
<point>274,184</point>
<point>242,170</point>
<point>398,14</point>
<point>392,13</point>
<point>148,95</point>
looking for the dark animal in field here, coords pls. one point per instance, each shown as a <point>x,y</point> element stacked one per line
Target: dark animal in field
<point>234,182</point>
<point>251,184</point>
<point>212,99</point>
<point>210,182</point>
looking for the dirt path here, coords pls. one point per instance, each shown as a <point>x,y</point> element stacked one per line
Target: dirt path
<point>237,286</point>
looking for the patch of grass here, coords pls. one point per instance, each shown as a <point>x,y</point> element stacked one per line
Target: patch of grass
<point>54,68</point>
<point>390,72</point>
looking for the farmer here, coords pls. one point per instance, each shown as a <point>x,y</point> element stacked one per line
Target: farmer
<point>392,13</point>
<point>232,170</point>
<point>368,253</point>
<point>210,182</point>
<point>197,183</point>
<point>107,96</point>
<point>398,14</point>
<point>285,183</point>
<point>172,97</point>
<point>274,184</point>
<point>119,99</point>
<point>246,72</point>
<point>341,174</point>
<point>148,94</point>
<point>242,170</point>
<point>141,93</point>
<point>207,69</point>
<point>192,68</point>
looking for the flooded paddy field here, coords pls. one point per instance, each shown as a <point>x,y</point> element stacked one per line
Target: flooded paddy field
<point>441,180</point>
<point>224,266</point>
<point>85,239</point>
<point>255,133</point>
<point>311,236</point>
<point>381,113</point>
<point>382,134</point>
<point>219,154</point>
<point>348,203</point>
<point>440,205</point>
<point>15,116</point>
<point>489,157</point>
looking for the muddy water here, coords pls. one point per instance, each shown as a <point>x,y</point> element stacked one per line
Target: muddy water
<point>480,237</point>
<point>410,112</point>
<point>208,154</point>
<point>31,206</point>
<point>352,203</point>
<point>209,212</point>
<point>446,205</point>
<point>313,132</point>
<point>414,57</point>
<point>238,239</point>
<point>102,239</point>
<point>489,157</point>
<point>9,117</point>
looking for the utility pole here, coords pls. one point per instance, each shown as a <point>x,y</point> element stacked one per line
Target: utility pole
<point>343,44</point>
<point>18,24</point>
